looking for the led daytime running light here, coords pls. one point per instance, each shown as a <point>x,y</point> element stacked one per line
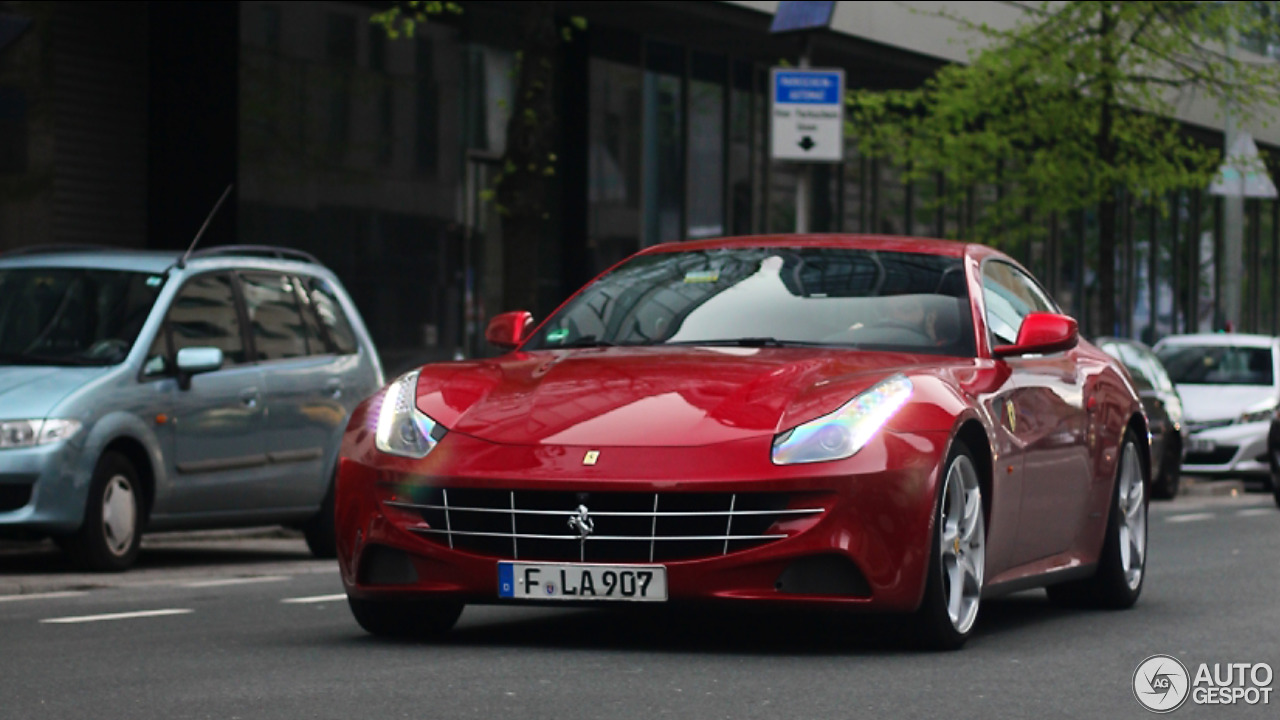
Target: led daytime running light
<point>844,432</point>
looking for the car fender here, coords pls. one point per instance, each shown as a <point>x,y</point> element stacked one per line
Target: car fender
<point>123,425</point>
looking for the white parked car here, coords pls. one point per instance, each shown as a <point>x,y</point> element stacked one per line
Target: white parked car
<point>1230,390</point>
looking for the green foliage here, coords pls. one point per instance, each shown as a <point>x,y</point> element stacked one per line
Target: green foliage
<point>403,19</point>
<point>1069,107</point>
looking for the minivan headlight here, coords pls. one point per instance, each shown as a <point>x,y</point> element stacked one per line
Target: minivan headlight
<point>29,433</point>
<point>403,429</point>
<point>842,433</point>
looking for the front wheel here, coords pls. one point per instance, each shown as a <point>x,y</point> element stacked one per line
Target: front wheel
<point>953,591</point>
<point>1123,562</point>
<point>1166,485</point>
<point>406,619</point>
<point>111,534</point>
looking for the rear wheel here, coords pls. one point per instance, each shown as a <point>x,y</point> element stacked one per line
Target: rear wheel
<point>1123,563</point>
<point>319,531</point>
<point>406,619</point>
<point>111,533</point>
<point>953,591</point>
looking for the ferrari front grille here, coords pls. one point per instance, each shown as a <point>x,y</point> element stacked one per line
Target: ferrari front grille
<point>599,526</point>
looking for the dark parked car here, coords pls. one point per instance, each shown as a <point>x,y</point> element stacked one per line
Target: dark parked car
<point>1163,405</point>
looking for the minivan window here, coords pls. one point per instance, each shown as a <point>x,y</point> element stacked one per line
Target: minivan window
<point>72,316</point>
<point>204,315</point>
<point>272,306</point>
<point>336,332</point>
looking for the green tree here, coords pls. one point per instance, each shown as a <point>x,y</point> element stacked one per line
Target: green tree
<point>1070,107</point>
<point>525,191</point>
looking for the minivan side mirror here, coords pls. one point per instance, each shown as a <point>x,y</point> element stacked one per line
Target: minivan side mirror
<point>509,329</point>
<point>197,360</point>
<point>1042,333</point>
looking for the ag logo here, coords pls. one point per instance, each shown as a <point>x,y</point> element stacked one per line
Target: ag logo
<point>1161,683</point>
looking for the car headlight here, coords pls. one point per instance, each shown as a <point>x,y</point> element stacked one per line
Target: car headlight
<point>842,433</point>
<point>29,433</point>
<point>403,429</point>
<point>1259,413</point>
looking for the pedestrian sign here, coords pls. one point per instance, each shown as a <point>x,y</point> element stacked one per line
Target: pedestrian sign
<point>807,111</point>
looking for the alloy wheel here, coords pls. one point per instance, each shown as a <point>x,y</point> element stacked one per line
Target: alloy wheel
<point>1133,517</point>
<point>963,543</point>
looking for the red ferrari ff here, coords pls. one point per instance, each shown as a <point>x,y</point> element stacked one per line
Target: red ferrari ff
<point>841,421</point>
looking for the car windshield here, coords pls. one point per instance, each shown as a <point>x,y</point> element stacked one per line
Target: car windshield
<point>769,296</point>
<point>1217,365</point>
<point>72,316</point>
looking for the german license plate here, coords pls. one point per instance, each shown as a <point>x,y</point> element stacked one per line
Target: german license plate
<point>581,581</point>
<point>1200,445</point>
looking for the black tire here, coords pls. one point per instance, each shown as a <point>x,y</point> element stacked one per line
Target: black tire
<point>935,627</point>
<point>109,538</point>
<point>406,619</point>
<point>1112,587</point>
<point>1169,481</point>
<point>319,531</point>
<point>1274,452</point>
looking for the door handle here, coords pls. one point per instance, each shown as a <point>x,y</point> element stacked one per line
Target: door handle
<point>250,397</point>
<point>334,387</point>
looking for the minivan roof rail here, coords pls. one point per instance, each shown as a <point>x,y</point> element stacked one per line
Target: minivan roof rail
<point>270,251</point>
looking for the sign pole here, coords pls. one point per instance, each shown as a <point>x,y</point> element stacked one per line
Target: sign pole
<point>804,174</point>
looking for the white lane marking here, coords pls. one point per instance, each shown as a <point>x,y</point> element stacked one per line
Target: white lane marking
<point>1190,517</point>
<point>42,596</point>
<point>118,616</point>
<point>1255,512</point>
<point>234,581</point>
<point>316,599</point>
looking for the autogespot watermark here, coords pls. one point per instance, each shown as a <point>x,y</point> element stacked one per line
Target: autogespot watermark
<point>1162,684</point>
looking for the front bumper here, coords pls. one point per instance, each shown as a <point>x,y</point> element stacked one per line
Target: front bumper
<point>41,490</point>
<point>867,519</point>
<point>1231,450</point>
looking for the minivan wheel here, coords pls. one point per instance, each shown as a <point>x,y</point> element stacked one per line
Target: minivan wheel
<point>319,531</point>
<point>109,538</point>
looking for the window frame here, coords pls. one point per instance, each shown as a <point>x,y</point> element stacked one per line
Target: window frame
<point>171,359</point>
<point>1034,285</point>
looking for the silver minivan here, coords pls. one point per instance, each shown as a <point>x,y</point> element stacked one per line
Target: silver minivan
<point>144,391</point>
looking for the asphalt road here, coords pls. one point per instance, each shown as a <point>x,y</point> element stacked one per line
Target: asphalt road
<point>235,626</point>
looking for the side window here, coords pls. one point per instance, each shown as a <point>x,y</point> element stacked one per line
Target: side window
<point>204,314</point>
<point>336,335</point>
<point>1010,296</point>
<point>158,363</point>
<point>274,318</point>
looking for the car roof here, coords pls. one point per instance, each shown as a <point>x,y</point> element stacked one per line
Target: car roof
<point>1220,340</point>
<point>890,243</point>
<point>159,261</point>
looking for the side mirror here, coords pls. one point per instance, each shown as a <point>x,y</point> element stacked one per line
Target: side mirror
<point>509,329</point>
<point>1042,333</point>
<point>196,360</point>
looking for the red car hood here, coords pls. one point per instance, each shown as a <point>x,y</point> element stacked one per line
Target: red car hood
<point>649,396</point>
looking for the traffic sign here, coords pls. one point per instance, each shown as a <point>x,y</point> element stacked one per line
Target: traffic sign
<point>807,111</point>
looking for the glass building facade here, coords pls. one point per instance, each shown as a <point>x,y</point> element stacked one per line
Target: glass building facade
<point>376,156</point>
